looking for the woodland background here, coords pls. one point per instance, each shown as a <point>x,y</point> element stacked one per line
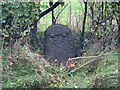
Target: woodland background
<point>95,26</point>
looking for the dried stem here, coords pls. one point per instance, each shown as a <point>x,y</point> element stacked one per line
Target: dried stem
<point>87,57</point>
<point>95,58</point>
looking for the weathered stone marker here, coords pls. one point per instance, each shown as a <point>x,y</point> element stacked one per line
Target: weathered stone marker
<point>59,43</point>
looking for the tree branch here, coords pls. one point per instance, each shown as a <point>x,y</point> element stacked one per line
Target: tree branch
<point>47,11</point>
<point>95,58</point>
<point>60,12</point>
<point>87,57</point>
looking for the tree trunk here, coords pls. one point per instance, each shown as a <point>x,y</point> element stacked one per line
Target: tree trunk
<point>33,34</point>
<point>92,10</point>
<point>53,18</point>
<point>82,36</point>
<point>105,17</point>
<point>34,31</point>
<point>102,9</point>
<point>119,27</point>
<point>119,36</point>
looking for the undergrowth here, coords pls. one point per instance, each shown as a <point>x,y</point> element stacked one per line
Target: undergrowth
<point>26,69</point>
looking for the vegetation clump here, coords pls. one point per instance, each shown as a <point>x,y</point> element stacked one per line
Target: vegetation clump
<point>96,41</point>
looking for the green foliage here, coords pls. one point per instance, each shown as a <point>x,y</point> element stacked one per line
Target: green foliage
<point>24,68</point>
<point>24,72</point>
<point>17,16</point>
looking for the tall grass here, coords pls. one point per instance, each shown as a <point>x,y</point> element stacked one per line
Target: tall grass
<point>26,69</point>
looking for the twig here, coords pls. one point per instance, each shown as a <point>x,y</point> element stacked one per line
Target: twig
<point>95,58</point>
<point>82,65</point>
<point>41,66</point>
<point>87,57</point>
<point>48,64</point>
<point>60,12</point>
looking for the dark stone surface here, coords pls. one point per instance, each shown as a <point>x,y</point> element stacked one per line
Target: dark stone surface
<point>59,43</point>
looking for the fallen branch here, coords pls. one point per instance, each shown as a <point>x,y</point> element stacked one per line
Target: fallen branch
<point>88,56</point>
<point>82,65</point>
<point>95,58</point>
<point>40,56</point>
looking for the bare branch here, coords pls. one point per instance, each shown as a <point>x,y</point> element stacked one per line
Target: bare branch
<point>88,57</point>
<point>46,11</point>
<point>60,12</point>
<point>95,58</point>
<point>82,65</point>
<point>49,9</point>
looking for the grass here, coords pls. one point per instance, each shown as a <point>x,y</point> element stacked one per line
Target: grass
<point>26,69</point>
<point>101,73</point>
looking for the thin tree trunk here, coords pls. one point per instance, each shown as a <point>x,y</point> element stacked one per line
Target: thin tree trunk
<point>105,17</point>
<point>70,13</point>
<point>53,18</point>
<point>118,43</point>
<point>92,10</point>
<point>33,34</point>
<point>82,36</point>
<point>119,27</point>
<point>35,29</point>
<point>102,9</point>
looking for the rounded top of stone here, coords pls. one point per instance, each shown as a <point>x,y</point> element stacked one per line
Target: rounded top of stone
<point>57,29</point>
